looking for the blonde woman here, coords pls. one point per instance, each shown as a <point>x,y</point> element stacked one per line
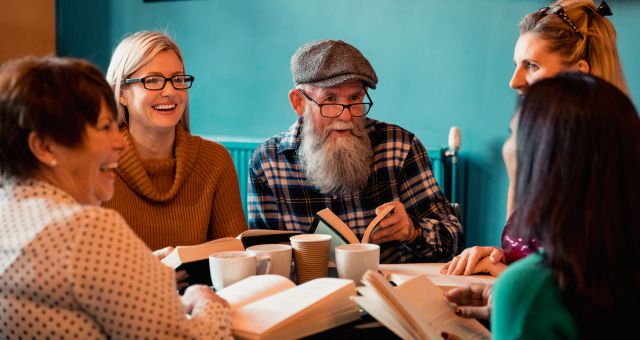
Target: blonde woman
<point>171,187</point>
<point>566,36</point>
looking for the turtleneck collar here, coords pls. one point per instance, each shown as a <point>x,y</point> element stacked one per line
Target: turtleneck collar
<point>133,172</point>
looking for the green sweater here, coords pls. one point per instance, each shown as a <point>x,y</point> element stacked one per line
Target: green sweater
<point>527,304</point>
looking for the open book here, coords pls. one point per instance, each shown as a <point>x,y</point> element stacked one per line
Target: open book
<point>252,237</point>
<point>273,307</point>
<point>195,259</point>
<point>416,309</point>
<point>326,222</point>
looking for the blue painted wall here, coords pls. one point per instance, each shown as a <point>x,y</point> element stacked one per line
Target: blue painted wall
<point>440,63</point>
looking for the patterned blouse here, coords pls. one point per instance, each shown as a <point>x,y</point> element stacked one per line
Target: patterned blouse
<point>76,271</point>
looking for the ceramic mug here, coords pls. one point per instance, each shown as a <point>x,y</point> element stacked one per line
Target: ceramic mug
<point>280,255</point>
<point>353,260</point>
<point>229,267</point>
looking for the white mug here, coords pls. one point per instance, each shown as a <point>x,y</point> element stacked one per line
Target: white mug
<point>280,255</point>
<point>353,260</point>
<point>229,267</point>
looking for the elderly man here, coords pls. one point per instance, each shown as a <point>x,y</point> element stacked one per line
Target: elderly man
<point>335,157</point>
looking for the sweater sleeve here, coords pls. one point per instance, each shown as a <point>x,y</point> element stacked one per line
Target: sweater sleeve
<point>227,216</point>
<point>128,292</point>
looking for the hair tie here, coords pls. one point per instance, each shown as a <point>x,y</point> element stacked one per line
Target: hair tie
<point>604,9</point>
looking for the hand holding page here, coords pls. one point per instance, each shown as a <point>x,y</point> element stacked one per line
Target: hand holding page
<point>326,222</point>
<point>415,309</point>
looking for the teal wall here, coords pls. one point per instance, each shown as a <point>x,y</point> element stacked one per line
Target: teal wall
<point>440,63</point>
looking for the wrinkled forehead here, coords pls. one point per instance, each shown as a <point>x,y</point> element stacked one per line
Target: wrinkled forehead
<point>349,88</point>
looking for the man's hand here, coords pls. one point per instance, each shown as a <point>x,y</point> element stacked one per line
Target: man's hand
<point>397,226</point>
<point>473,301</point>
<point>476,260</point>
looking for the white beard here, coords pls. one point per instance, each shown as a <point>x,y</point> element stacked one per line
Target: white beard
<point>339,166</point>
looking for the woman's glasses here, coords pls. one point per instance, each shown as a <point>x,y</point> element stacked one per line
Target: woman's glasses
<point>179,82</point>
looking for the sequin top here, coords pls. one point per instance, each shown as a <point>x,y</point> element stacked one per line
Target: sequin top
<point>514,246</point>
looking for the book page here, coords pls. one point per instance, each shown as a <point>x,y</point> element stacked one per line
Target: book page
<point>254,288</point>
<point>183,254</point>
<point>253,237</point>
<point>299,304</point>
<point>374,225</point>
<point>399,273</point>
<point>261,232</point>
<point>325,222</point>
<point>376,307</point>
<point>334,222</point>
<point>403,312</point>
<point>427,300</point>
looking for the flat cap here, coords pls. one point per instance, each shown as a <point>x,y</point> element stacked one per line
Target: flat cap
<point>327,63</point>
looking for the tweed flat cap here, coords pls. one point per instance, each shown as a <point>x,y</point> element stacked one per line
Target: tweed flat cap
<point>328,63</point>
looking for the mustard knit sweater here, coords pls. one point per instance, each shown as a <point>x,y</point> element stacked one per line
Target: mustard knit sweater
<point>187,200</point>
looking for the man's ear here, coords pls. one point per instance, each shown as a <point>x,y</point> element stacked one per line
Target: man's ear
<point>583,66</point>
<point>297,101</point>
<point>41,148</point>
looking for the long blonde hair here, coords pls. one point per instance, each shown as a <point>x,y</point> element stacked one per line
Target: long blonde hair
<point>132,53</point>
<point>597,46</point>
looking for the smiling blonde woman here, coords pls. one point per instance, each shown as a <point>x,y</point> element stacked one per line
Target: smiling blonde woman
<point>173,188</point>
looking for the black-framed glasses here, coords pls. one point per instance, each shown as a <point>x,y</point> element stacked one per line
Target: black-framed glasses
<point>334,110</point>
<point>559,11</point>
<point>179,82</point>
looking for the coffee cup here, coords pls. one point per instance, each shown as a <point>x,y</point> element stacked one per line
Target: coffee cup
<point>229,267</point>
<point>353,260</point>
<point>280,255</point>
<point>311,255</point>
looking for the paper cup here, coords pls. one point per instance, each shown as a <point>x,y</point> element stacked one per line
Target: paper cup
<point>311,255</point>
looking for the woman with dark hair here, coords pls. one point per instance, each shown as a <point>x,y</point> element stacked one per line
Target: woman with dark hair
<point>566,36</point>
<point>577,144</point>
<point>577,190</point>
<point>69,268</point>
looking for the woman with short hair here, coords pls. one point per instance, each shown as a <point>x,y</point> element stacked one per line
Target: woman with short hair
<point>69,268</point>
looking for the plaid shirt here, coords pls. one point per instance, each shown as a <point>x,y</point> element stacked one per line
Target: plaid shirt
<point>281,198</point>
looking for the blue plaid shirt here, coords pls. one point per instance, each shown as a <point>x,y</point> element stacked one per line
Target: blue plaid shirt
<point>281,198</point>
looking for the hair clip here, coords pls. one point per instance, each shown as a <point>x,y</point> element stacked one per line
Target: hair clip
<point>559,11</point>
<point>604,9</point>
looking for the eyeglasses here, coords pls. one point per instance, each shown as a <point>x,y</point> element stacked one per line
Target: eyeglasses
<point>179,82</point>
<point>559,11</point>
<point>334,110</point>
